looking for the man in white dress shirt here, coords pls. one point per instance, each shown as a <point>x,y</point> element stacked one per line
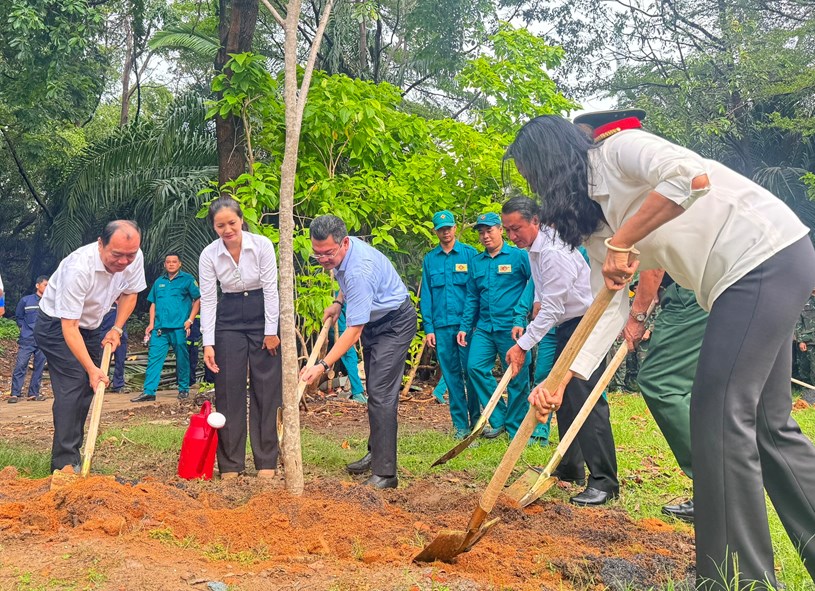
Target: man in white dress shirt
<point>563,289</point>
<point>79,294</point>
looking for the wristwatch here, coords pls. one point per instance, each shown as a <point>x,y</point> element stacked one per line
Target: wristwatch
<point>639,317</point>
<point>117,329</point>
<point>324,364</point>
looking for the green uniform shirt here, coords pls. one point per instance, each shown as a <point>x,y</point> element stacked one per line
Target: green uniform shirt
<point>173,299</point>
<point>444,285</point>
<point>805,328</point>
<point>494,287</point>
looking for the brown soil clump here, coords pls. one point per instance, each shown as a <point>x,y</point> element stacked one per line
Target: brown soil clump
<point>350,527</point>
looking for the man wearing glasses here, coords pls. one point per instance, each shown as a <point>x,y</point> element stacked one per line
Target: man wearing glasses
<point>380,313</point>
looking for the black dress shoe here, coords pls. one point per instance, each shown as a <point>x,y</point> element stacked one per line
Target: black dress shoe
<point>382,481</point>
<point>144,398</point>
<point>573,478</point>
<point>682,511</point>
<point>360,466</point>
<point>592,497</point>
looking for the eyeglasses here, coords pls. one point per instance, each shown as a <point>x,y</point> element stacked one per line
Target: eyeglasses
<point>326,255</point>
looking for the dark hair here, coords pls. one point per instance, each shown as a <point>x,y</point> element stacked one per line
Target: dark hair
<point>523,205</point>
<point>111,228</point>
<point>224,203</point>
<point>172,253</point>
<point>553,156</point>
<point>328,225</point>
<point>40,279</point>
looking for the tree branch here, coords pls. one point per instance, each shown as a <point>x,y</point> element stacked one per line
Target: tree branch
<point>37,197</point>
<point>274,12</point>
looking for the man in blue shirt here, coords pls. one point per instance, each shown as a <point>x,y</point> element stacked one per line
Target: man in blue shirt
<point>174,302</point>
<point>444,289</point>
<point>497,280</point>
<point>26,317</point>
<point>380,313</point>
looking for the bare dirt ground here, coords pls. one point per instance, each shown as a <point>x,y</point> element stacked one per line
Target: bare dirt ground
<point>160,532</point>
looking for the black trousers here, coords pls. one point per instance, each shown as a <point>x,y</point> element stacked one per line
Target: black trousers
<point>386,343</point>
<point>594,443</point>
<point>743,440</point>
<point>72,389</point>
<point>239,333</point>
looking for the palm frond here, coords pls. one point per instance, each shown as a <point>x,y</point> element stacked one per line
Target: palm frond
<point>186,37</point>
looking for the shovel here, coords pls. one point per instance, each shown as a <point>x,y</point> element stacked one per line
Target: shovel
<point>534,482</point>
<point>479,425</point>
<point>301,385</point>
<point>804,384</point>
<point>450,543</point>
<point>60,478</point>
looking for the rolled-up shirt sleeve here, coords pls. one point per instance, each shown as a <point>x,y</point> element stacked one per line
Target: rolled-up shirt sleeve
<point>268,279</point>
<point>605,331</point>
<point>668,168</point>
<point>209,298</point>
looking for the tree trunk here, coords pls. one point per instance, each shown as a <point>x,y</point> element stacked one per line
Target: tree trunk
<point>292,452</point>
<point>128,65</point>
<point>236,28</point>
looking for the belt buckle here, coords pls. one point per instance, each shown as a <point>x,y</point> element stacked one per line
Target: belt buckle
<point>158,332</point>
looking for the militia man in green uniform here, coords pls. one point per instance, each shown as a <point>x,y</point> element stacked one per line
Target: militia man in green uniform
<point>497,280</point>
<point>174,302</point>
<point>444,288</point>
<point>805,340</point>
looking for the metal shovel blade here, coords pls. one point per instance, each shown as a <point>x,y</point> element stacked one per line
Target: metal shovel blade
<point>480,424</point>
<point>450,543</point>
<point>461,446</point>
<point>518,489</point>
<point>543,483</point>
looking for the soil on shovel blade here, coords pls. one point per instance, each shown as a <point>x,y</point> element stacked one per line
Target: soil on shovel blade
<point>338,535</point>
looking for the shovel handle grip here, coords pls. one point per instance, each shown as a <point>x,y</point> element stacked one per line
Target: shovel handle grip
<point>96,414</point>
<point>312,358</point>
<point>556,376</point>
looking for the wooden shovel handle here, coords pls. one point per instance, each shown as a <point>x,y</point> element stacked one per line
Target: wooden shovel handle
<point>96,414</point>
<point>312,358</point>
<point>551,383</point>
<point>586,409</point>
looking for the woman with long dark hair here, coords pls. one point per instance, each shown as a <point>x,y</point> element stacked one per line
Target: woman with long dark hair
<point>750,262</point>
<point>240,331</point>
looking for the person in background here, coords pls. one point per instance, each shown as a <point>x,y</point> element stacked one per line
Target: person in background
<point>444,289</point>
<point>174,302</point>
<point>497,280</point>
<point>26,317</point>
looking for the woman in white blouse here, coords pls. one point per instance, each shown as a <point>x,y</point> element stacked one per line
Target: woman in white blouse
<point>751,263</point>
<point>240,331</point>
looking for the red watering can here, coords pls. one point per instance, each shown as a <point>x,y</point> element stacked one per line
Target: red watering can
<point>197,458</point>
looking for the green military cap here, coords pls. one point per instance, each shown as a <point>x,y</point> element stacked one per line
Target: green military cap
<point>598,118</point>
<point>443,219</point>
<point>488,219</point>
